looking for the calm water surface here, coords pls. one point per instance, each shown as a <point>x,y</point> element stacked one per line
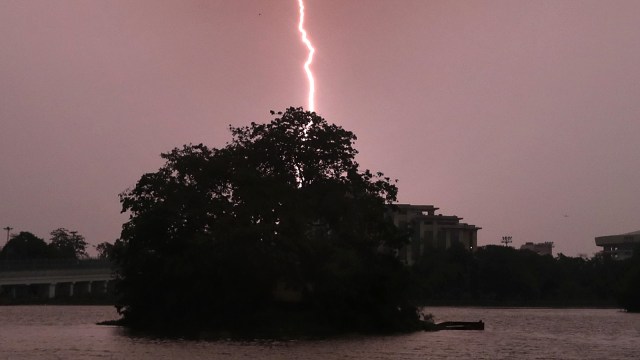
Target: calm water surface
<point>68,332</point>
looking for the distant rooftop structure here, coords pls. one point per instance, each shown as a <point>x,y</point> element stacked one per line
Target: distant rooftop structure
<point>545,248</point>
<point>619,247</point>
<point>431,230</point>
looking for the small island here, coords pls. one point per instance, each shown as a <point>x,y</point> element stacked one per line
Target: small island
<point>277,233</point>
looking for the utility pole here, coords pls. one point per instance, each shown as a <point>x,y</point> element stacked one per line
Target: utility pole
<point>8,228</point>
<point>506,240</point>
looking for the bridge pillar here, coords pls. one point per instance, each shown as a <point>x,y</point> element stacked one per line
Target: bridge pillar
<point>52,291</point>
<point>66,288</point>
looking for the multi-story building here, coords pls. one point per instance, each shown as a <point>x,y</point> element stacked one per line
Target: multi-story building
<point>619,247</point>
<point>428,230</point>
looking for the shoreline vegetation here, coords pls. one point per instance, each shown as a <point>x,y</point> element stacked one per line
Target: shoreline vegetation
<point>296,326</point>
<point>503,276</point>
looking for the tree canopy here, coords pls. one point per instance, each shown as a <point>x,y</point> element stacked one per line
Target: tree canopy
<point>104,250</point>
<point>25,246</point>
<point>280,218</point>
<point>64,244</point>
<point>67,244</point>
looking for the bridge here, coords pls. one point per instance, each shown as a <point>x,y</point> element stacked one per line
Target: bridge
<point>50,279</point>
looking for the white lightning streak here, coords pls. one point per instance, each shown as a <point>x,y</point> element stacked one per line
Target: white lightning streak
<point>307,64</point>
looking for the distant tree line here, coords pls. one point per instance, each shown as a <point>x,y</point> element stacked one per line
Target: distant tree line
<point>63,244</point>
<point>504,276</point>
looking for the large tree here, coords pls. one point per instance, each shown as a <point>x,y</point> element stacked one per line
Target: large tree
<point>219,237</point>
<point>67,244</point>
<point>104,250</point>
<point>24,246</point>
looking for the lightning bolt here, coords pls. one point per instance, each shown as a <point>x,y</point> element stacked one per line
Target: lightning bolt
<point>307,64</point>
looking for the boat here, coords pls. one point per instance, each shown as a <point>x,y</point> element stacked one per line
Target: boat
<point>460,325</point>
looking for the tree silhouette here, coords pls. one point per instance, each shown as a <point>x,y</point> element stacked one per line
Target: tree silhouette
<point>67,244</point>
<point>104,250</point>
<point>25,246</point>
<point>215,234</point>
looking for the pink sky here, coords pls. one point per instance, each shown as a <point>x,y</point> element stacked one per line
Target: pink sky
<point>511,114</point>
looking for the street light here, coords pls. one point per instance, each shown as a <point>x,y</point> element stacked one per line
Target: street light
<point>8,228</point>
<point>506,240</point>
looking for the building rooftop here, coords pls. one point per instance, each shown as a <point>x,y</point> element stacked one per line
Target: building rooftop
<point>627,238</point>
<point>429,212</point>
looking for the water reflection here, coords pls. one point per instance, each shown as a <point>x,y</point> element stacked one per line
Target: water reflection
<point>28,332</point>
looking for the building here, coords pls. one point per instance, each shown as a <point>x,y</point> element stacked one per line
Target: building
<point>545,248</point>
<point>428,230</point>
<point>619,247</point>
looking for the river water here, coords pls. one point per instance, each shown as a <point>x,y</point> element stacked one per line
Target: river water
<point>69,332</point>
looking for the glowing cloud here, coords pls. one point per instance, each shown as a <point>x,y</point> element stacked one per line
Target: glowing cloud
<point>307,64</point>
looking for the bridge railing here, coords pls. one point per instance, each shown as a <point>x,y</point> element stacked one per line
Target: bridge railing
<point>53,264</point>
